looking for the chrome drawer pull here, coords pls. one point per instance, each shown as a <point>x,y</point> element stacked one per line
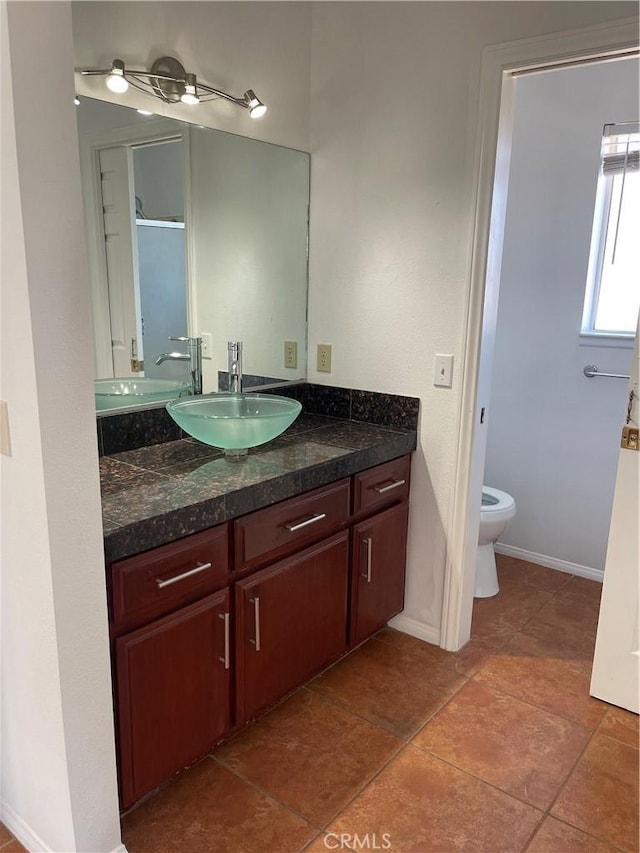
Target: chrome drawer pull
<point>395,485</point>
<point>256,615</point>
<point>369,545</point>
<point>169,581</point>
<point>292,527</point>
<point>225,659</point>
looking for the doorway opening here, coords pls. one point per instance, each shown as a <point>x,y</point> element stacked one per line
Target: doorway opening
<point>502,65</point>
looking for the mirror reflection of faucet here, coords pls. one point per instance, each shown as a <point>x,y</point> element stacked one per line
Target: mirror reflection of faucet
<point>234,350</point>
<point>193,356</point>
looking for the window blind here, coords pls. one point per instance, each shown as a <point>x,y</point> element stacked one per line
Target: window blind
<point>621,148</point>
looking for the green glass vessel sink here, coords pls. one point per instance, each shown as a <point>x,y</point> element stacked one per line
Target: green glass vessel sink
<point>133,391</point>
<point>234,422</point>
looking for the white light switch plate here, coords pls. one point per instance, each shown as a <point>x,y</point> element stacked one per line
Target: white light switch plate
<point>207,344</point>
<point>5,440</point>
<point>443,371</point>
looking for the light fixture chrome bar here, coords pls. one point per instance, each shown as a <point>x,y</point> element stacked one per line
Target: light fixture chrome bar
<point>169,81</point>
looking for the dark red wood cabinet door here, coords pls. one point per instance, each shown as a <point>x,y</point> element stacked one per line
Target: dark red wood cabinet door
<point>378,569</point>
<point>173,693</point>
<point>291,621</point>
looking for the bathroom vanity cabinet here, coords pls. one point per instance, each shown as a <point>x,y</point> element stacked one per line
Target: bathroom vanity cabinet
<point>210,630</point>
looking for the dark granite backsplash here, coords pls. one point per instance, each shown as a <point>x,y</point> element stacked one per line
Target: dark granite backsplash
<point>146,427</point>
<point>130,430</point>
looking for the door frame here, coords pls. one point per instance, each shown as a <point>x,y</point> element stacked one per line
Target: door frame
<point>90,147</point>
<point>500,65</point>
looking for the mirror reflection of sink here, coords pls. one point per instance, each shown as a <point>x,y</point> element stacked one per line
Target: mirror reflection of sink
<point>132,391</point>
<point>234,422</point>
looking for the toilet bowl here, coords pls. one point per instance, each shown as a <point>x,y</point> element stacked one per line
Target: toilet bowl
<point>498,508</point>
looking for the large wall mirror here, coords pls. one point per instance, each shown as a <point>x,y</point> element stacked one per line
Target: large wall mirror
<point>192,231</point>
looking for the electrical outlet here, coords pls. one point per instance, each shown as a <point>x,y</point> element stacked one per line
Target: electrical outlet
<point>290,354</point>
<point>324,358</point>
<point>207,344</point>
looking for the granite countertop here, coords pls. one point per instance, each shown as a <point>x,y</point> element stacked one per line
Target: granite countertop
<point>163,492</point>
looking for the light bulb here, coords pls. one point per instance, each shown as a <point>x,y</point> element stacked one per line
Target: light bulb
<point>190,96</point>
<point>258,111</point>
<point>255,106</point>
<point>116,81</point>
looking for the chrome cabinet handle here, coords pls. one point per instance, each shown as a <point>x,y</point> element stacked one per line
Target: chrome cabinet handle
<point>293,526</point>
<point>201,568</point>
<point>368,542</point>
<point>395,485</point>
<point>256,617</point>
<point>225,658</point>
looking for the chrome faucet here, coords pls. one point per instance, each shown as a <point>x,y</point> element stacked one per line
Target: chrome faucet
<point>234,349</point>
<point>193,356</point>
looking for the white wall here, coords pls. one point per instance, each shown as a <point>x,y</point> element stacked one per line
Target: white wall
<point>553,434</point>
<point>58,762</point>
<point>394,92</point>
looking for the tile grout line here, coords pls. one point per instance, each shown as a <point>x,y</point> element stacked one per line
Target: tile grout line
<point>401,737</point>
<point>544,813</point>
<point>256,787</point>
<point>505,692</point>
<point>564,784</point>
<point>403,742</point>
<point>323,829</point>
<point>396,751</point>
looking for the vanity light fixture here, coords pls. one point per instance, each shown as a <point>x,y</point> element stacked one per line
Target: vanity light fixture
<point>169,81</point>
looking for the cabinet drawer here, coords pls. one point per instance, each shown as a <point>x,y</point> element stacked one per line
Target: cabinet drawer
<point>290,525</point>
<point>163,579</point>
<point>381,486</point>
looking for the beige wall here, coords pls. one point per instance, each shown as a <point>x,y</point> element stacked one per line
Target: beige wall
<point>394,96</point>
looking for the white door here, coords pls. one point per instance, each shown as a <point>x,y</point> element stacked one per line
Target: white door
<point>118,206</point>
<point>616,662</point>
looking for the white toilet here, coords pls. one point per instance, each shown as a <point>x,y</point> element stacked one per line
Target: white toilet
<point>498,508</point>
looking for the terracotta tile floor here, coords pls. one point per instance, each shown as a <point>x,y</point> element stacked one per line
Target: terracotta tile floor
<point>404,747</point>
<point>8,843</point>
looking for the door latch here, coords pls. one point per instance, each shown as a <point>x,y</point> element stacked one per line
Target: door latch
<point>137,366</point>
<point>630,438</point>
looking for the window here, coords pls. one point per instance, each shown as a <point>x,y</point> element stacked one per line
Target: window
<point>613,280</point>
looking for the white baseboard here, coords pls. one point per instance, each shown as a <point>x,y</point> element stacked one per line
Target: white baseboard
<point>25,834</point>
<point>416,629</point>
<point>22,831</point>
<point>550,562</point>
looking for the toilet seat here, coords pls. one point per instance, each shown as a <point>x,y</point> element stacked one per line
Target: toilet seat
<point>494,500</point>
